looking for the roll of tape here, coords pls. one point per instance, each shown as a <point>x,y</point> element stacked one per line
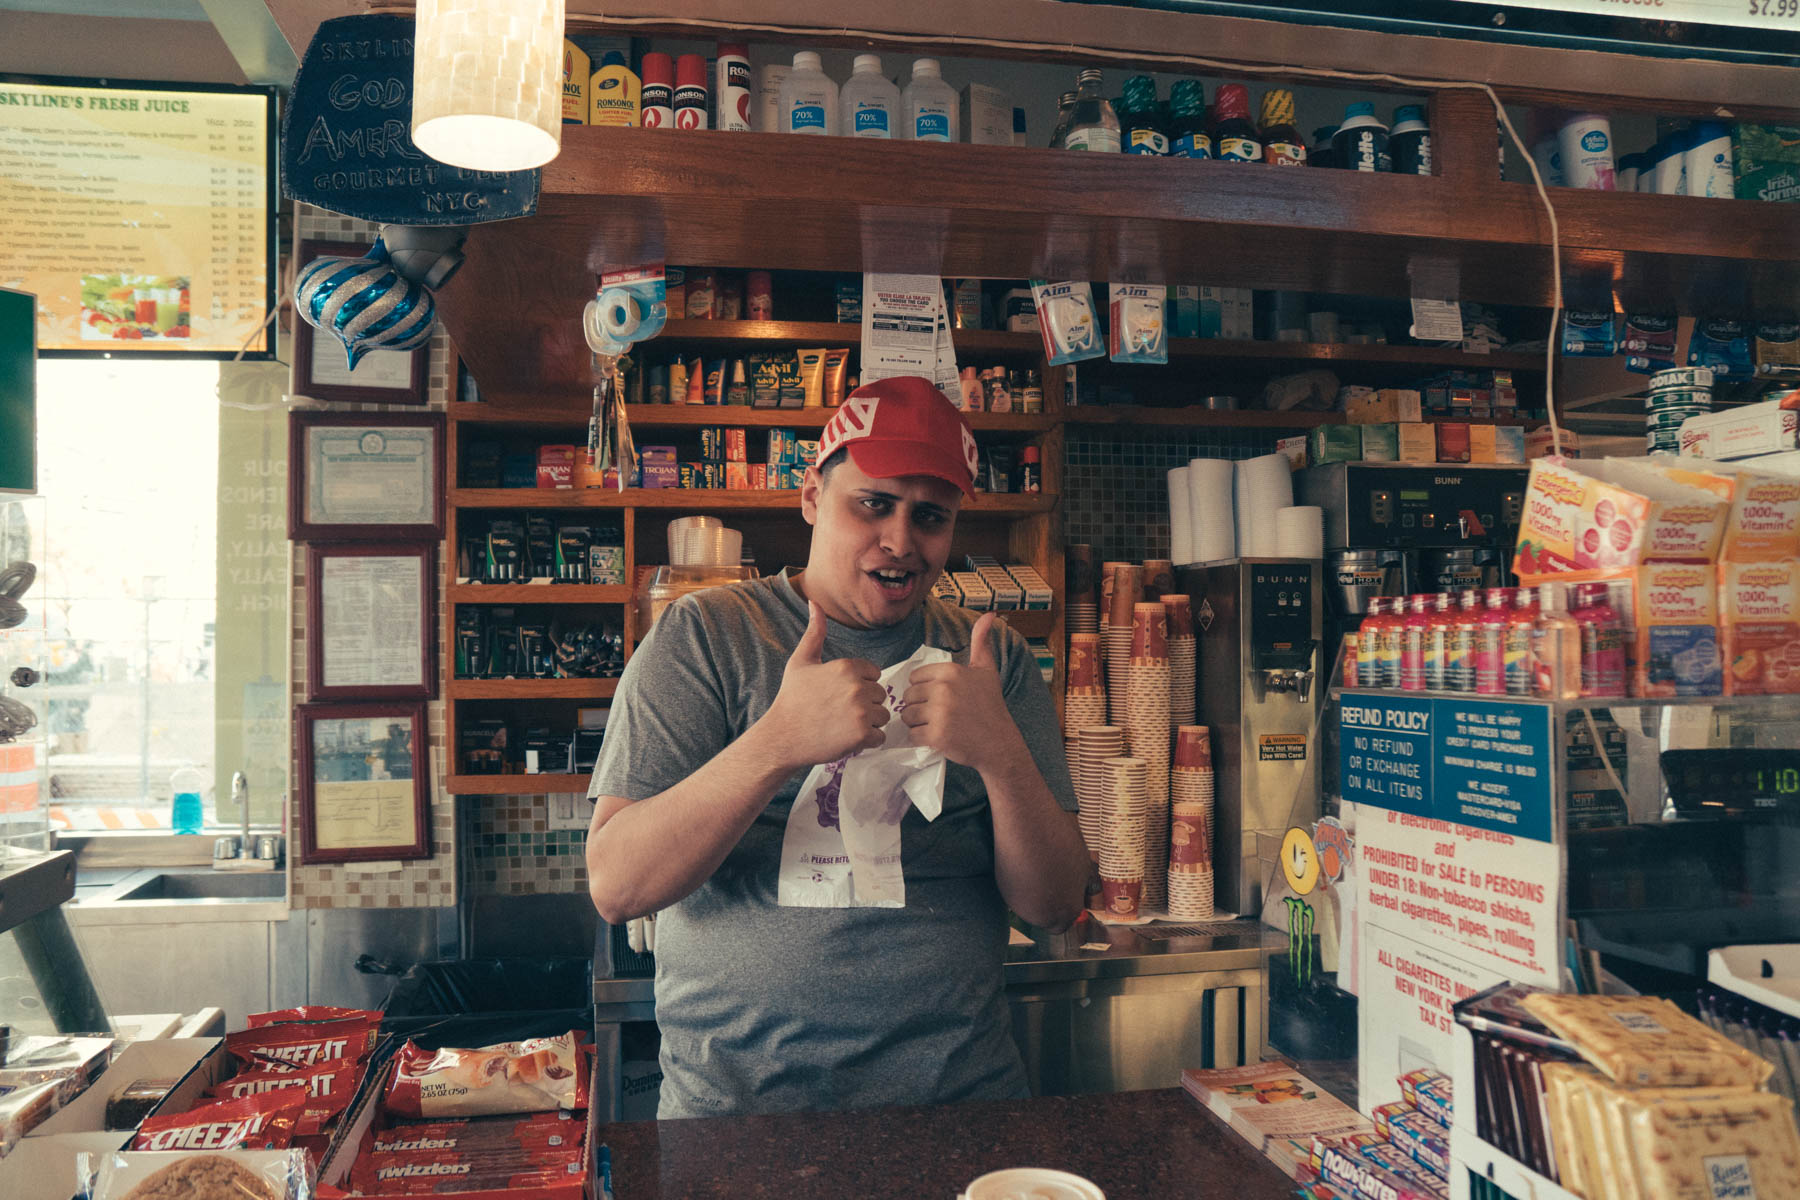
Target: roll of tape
<point>620,314</point>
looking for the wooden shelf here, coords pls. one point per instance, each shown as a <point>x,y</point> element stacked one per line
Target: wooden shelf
<point>1195,417</point>
<point>515,785</point>
<point>687,499</point>
<point>531,689</point>
<point>1218,350</point>
<point>692,416</point>
<point>1032,622</point>
<point>539,593</point>
<point>616,196</point>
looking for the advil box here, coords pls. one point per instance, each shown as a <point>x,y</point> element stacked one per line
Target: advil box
<point>1759,606</point>
<point>1677,619</point>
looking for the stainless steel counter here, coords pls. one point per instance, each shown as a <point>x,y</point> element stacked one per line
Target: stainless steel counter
<point>1125,1017</point>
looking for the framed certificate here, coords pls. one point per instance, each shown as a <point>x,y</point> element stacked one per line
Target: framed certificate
<point>364,794</point>
<point>365,476</point>
<point>369,620</point>
<point>322,369</point>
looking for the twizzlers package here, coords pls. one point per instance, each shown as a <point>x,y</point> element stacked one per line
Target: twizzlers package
<point>304,1043</point>
<point>535,1075</point>
<point>260,1122</point>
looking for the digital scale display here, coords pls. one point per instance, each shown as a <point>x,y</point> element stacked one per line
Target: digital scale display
<point>1725,783</point>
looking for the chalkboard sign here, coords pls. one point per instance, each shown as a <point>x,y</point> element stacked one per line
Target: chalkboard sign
<point>346,137</point>
<point>18,391</point>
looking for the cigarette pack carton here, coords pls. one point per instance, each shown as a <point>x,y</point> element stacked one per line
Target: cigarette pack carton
<point>1759,604</point>
<point>975,593</point>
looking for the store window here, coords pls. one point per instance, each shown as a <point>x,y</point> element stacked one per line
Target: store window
<point>166,588</point>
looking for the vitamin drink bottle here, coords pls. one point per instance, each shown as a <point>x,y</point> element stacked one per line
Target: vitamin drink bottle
<point>1440,632</point>
<point>1490,642</point>
<point>1459,670</point>
<point>1234,138</point>
<point>1282,144</point>
<point>1555,647</point>
<point>1352,675</point>
<point>1368,653</point>
<point>1521,623</point>
<point>1387,640</point>
<point>1412,643</point>
<point>1602,642</point>
<point>1188,135</point>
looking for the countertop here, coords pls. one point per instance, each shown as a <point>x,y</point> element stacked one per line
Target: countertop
<point>1156,1145</point>
<point>1122,950</point>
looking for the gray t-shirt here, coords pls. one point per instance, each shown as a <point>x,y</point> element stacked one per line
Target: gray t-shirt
<point>772,1009</point>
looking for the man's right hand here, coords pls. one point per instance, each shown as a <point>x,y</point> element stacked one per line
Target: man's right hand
<point>825,710</point>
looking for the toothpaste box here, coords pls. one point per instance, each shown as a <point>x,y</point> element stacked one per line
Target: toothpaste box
<point>1765,428</point>
<point>1759,607</point>
<point>1677,620</point>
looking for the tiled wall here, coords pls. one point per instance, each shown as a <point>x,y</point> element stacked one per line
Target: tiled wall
<point>509,850</point>
<point>1116,490</point>
<point>420,883</point>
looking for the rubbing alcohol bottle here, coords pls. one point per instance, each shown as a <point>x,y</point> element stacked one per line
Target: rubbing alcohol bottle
<point>1093,125</point>
<point>1140,124</point>
<point>1188,136</point>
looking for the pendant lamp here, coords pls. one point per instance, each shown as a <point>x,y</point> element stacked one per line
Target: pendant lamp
<point>487,82</point>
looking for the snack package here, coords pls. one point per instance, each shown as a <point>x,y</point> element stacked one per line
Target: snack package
<point>1645,1041</point>
<point>536,1075</point>
<point>258,1122</point>
<point>1432,1097</point>
<point>1066,320</point>
<point>547,1130</point>
<point>1700,1147</point>
<point>327,1088</point>
<point>215,1175</point>
<point>443,1173</point>
<point>1395,1159</point>
<point>1566,1108</point>
<point>1759,613</point>
<point>1343,1168</point>
<point>304,1043</point>
<point>1136,333</point>
<point>26,1108</point>
<point>1409,1083</point>
<point>1385,1113</point>
<point>1424,1140</point>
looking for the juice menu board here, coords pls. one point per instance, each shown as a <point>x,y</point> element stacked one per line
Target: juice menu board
<point>140,215</point>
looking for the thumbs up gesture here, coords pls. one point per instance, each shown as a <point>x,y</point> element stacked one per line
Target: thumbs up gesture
<point>959,709</point>
<point>826,710</point>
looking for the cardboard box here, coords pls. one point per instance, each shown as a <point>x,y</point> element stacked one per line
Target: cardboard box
<point>43,1168</point>
<point>1619,513</point>
<point>1509,444</point>
<point>1452,442</point>
<point>194,1063</point>
<point>1539,442</point>
<point>1766,162</point>
<point>1481,444</point>
<point>1787,463</point>
<point>1381,443</point>
<point>1764,522</point>
<point>1294,448</point>
<point>556,467</point>
<point>737,476</point>
<point>1759,610</point>
<point>986,115</point>
<point>975,593</point>
<point>1335,443</point>
<point>1677,621</point>
<point>1765,428</point>
<point>1184,321</point>
<point>1418,442</point>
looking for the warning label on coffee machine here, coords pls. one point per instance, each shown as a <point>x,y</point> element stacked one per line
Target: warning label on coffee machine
<point>1281,747</point>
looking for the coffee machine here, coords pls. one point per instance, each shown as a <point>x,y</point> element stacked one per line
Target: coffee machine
<point>1259,622</point>
<point>1394,529</point>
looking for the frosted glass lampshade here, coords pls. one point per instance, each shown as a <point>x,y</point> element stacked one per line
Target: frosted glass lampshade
<point>487,82</point>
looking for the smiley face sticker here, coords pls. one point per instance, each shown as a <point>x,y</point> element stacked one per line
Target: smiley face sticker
<point>1300,861</point>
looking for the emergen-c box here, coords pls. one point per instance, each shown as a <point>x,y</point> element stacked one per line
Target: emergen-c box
<point>1764,525</point>
<point>1759,606</point>
<point>1617,513</point>
<point>1677,619</point>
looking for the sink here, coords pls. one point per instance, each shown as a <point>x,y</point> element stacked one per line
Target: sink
<point>208,885</point>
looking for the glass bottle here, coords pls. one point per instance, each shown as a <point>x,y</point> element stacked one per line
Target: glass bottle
<point>1521,624</point>
<point>1093,125</point>
<point>1065,104</point>
<point>1459,672</point>
<point>1555,647</point>
<point>1188,136</point>
<point>1282,144</point>
<point>1235,137</point>
<point>1490,642</point>
<point>1412,643</point>
<point>1440,633</point>
<point>1140,125</point>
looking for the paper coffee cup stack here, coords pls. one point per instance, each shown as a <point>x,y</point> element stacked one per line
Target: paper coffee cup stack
<point>1159,578</point>
<point>1127,591</point>
<point>1095,746</point>
<point>1190,880</point>
<point>1147,736</point>
<point>1183,659</point>
<point>1123,841</point>
<point>1080,585</point>
<point>1084,699</point>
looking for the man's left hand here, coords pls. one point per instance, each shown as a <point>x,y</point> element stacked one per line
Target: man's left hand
<point>960,711</point>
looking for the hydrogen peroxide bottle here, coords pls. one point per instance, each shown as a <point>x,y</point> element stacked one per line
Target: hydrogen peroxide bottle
<point>869,104</point>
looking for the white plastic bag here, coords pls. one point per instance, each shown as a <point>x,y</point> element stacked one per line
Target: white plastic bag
<point>842,845</point>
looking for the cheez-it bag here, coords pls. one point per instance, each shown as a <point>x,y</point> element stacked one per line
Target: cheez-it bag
<point>303,1043</point>
<point>257,1122</point>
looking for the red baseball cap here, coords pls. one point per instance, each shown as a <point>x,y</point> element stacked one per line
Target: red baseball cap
<point>903,426</point>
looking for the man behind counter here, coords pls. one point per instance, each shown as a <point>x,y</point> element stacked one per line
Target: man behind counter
<point>728,704</point>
